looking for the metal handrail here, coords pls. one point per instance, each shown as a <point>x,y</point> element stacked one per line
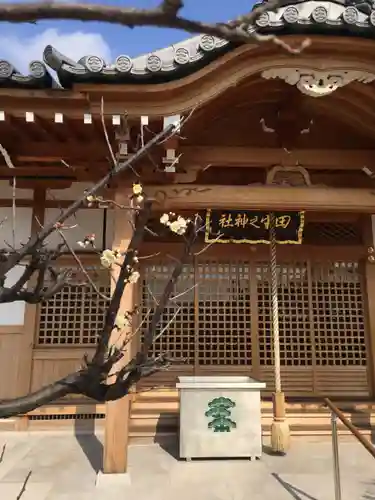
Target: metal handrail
<point>365,442</point>
<point>335,414</point>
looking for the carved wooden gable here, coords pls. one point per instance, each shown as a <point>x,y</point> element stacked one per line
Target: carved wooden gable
<point>280,118</point>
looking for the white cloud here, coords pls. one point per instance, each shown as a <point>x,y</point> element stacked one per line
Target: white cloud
<point>21,51</point>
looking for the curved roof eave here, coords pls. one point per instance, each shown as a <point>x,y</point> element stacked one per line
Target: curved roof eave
<point>304,17</point>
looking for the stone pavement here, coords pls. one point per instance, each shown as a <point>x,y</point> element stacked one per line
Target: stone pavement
<point>58,466</point>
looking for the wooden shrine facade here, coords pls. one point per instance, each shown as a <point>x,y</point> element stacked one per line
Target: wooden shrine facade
<point>225,326</point>
<point>224,323</point>
<point>263,131</point>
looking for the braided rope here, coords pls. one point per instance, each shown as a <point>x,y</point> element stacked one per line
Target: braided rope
<point>275,305</point>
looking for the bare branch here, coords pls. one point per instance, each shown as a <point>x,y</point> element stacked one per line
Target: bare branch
<point>164,16</point>
<point>14,214</point>
<point>59,283</point>
<point>184,292</point>
<point>37,239</point>
<point>145,257</point>
<point>157,337</point>
<point>105,131</point>
<point>125,271</point>
<point>171,7</point>
<point>204,249</point>
<point>134,333</point>
<point>152,295</point>
<point>80,265</point>
<point>168,290</point>
<point>9,164</point>
<point>6,157</point>
<point>91,379</point>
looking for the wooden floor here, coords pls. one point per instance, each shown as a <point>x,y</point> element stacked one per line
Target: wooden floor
<point>154,415</point>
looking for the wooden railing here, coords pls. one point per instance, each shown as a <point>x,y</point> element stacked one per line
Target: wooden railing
<point>336,413</point>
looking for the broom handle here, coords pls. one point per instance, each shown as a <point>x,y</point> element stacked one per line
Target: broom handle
<point>275,305</point>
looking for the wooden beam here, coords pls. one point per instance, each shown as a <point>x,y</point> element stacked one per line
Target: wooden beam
<point>46,184</point>
<point>190,196</point>
<point>54,152</point>
<point>203,155</point>
<point>37,171</point>
<point>266,157</point>
<point>258,253</point>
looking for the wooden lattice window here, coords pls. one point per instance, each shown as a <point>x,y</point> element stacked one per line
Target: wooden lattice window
<point>332,233</point>
<point>211,320</point>
<point>75,315</point>
<point>224,313</point>
<point>294,321</point>
<point>321,320</point>
<point>175,333</point>
<point>337,314</point>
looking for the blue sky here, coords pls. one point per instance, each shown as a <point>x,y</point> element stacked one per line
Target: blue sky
<point>21,43</point>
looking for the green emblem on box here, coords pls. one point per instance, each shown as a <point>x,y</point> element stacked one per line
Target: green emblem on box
<point>220,412</point>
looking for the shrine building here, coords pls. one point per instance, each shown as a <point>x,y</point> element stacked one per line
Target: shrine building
<point>265,131</point>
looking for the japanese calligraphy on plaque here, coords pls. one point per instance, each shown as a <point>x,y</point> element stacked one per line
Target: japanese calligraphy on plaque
<point>244,226</point>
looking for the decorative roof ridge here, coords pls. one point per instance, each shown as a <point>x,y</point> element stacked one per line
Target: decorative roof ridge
<point>344,17</point>
<point>365,6</point>
<point>38,77</point>
<point>163,61</point>
<point>306,17</point>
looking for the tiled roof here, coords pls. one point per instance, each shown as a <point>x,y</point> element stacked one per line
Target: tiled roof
<point>340,17</point>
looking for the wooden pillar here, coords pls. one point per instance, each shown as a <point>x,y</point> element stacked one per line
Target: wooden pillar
<point>31,310</point>
<point>116,437</point>
<point>25,346</point>
<point>368,272</point>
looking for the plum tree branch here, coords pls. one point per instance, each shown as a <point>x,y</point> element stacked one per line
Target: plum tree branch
<point>29,248</point>
<point>91,380</point>
<point>125,271</point>
<point>166,15</point>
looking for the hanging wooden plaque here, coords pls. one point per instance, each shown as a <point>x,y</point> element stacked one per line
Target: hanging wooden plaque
<point>244,226</point>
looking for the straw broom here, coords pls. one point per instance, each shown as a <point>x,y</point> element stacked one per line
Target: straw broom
<point>280,433</point>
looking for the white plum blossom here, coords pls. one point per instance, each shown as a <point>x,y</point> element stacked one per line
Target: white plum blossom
<point>88,240</point>
<point>134,277</point>
<point>121,322</point>
<point>164,219</point>
<point>91,200</point>
<point>108,258</point>
<point>137,189</point>
<point>178,225</point>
